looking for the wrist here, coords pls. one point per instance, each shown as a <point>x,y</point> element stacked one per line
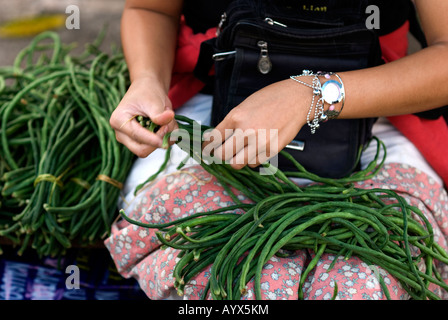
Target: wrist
<point>327,96</point>
<point>149,80</point>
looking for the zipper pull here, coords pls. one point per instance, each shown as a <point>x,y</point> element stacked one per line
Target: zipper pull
<point>273,22</point>
<point>223,55</point>
<point>221,23</point>
<point>264,63</point>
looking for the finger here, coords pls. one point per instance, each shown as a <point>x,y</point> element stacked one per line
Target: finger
<point>221,132</point>
<point>164,130</point>
<point>210,139</point>
<point>232,145</point>
<point>260,147</point>
<point>215,137</point>
<point>142,135</point>
<point>140,150</point>
<point>246,156</point>
<point>267,143</point>
<point>258,160</point>
<point>163,118</point>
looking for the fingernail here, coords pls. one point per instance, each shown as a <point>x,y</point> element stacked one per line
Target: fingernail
<point>206,136</point>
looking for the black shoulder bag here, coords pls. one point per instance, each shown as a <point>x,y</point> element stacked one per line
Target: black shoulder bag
<point>261,42</point>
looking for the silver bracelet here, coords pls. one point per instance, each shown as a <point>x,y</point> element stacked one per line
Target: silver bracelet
<point>331,92</point>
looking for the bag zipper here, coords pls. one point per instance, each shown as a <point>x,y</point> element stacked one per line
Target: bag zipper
<point>223,55</point>
<point>264,62</point>
<point>273,22</point>
<point>221,23</point>
<point>275,31</point>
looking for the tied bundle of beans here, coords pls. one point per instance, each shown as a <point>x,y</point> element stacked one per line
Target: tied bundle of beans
<point>61,167</point>
<point>327,216</point>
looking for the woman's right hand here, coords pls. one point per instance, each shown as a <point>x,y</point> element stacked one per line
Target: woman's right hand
<point>146,98</point>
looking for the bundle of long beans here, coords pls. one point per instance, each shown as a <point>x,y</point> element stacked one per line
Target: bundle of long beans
<point>327,216</point>
<point>61,168</point>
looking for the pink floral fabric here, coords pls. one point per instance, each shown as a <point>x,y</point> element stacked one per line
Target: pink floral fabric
<point>137,252</point>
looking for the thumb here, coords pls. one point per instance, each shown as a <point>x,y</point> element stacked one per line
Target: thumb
<point>163,118</point>
<point>166,116</point>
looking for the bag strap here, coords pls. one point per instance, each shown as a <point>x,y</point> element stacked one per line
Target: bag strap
<point>205,62</point>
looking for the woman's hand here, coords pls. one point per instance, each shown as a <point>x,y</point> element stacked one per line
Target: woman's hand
<point>261,125</point>
<point>146,98</point>
<point>149,35</point>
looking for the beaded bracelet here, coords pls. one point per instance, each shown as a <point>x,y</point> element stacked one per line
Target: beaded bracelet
<point>331,92</point>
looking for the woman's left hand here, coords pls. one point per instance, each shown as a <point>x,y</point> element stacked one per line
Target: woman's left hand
<point>261,126</point>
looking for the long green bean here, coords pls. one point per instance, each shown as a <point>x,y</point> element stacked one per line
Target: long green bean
<point>54,113</point>
<point>328,215</point>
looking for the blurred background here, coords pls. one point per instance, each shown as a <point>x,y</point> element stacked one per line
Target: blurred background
<point>18,16</point>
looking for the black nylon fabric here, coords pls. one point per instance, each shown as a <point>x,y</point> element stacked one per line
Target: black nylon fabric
<point>337,40</point>
<point>201,15</point>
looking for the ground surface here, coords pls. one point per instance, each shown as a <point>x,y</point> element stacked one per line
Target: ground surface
<point>93,16</point>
